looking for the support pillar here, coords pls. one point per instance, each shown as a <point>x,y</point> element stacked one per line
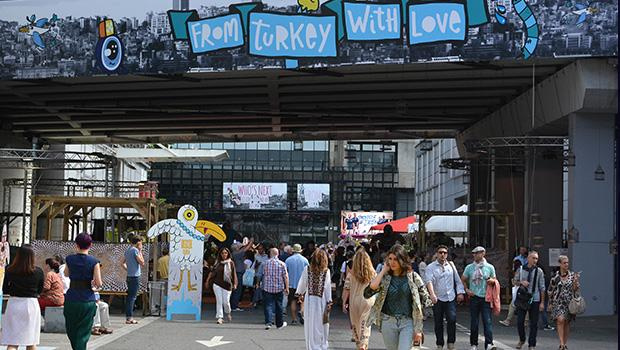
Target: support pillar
<point>591,209</point>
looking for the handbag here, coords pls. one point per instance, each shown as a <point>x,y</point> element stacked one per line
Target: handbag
<point>524,296</point>
<point>577,305</point>
<point>248,278</point>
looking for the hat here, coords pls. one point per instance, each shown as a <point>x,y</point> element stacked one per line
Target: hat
<point>478,249</point>
<point>297,248</point>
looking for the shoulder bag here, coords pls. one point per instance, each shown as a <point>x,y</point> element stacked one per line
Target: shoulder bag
<point>524,296</point>
<point>577,304</point>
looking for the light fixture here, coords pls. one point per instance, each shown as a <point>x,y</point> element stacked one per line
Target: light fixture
<point>573,235</point>
<point>466,178</point>
<point>599,173</point>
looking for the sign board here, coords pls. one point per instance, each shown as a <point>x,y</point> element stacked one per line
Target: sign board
<point>255,195</point>
<point>313,197</point>
<point>82,38</point>
<point>358,223</point>
<point>554,254</point>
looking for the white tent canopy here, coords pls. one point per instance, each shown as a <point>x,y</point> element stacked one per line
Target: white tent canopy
<point>446,223</point>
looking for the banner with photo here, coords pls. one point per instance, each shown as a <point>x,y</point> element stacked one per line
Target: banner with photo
<point>358,223</point>
<point>255,195</point>
<point>313,197</point>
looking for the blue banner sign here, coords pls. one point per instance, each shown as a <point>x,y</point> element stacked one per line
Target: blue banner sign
<point>436,22</point>
<point>215,33</point>
<point>292,36</point>
<point>372,21</point>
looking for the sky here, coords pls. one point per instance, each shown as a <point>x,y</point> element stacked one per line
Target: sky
<point>17,10</point>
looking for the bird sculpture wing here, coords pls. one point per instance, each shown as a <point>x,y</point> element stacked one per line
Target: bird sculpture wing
<point>38,40</point>
<point>170,227</point>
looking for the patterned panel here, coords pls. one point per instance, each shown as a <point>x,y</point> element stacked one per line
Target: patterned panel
<point>109,254</point>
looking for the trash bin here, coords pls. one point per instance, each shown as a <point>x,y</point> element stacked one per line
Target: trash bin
<point>157,297</point>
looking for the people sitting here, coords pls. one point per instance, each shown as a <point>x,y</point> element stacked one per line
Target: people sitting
<point>52,294</point>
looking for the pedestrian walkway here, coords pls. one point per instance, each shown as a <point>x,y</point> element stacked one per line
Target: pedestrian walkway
<point>247,332</point>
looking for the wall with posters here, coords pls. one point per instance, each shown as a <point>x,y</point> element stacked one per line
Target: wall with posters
<point>313,197</point>
<point>254,195</point>
<point>358,223</point>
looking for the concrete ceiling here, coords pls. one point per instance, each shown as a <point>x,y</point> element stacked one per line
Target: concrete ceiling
<point>420,100</point>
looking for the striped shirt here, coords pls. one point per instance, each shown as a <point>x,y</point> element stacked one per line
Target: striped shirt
<point>274,275</point>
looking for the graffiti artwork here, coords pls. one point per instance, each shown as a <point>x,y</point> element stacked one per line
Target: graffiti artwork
<point>109,50</point>
<point>160,37</point>
<point>187,236</point>
<point>37,28</point>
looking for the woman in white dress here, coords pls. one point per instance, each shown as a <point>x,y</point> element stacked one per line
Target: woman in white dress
<point>316,292</point>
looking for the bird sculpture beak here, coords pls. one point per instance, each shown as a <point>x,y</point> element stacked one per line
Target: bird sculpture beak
<point>23,29</point>
<point>209,228</point>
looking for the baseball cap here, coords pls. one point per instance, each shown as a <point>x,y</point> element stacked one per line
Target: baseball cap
<point>478,249</point>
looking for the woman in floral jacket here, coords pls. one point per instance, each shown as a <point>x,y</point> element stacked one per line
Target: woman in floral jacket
<point>398,308</point>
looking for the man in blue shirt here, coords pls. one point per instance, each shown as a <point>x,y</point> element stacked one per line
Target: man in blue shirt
<point>295,266</point>
<point>132,263</point>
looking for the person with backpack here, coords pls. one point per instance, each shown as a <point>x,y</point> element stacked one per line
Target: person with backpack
<point>446,290</point>
<point>530,298</point>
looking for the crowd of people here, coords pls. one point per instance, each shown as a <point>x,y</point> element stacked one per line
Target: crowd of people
<point>377,282</point>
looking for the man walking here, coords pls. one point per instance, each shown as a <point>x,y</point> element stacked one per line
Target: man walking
<point>445,289</point>
<point>532,278</point>
<point>476,277</point>
<point>275,283</point>
<point>295,265</point>
<point>132,263</point>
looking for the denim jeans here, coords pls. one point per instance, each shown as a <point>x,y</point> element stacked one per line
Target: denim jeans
<point>477,307</point>
<point>236,295</point>
<point>273,301</point>
<point>447,309</point>
<point>133,283</point>
<point>533,312</point>
<point>397,332</point>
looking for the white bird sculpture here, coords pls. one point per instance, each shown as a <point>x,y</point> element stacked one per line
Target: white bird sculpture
<point>183,231</point>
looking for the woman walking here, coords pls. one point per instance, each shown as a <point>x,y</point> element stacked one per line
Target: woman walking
<point>52,294</point>
<point>224,280</point>
<point>315,290</point>
<point>80,306</point>
<point>398,308</point>
<point>23,282</point>
<point>563,287</point>
<point>353,299</point>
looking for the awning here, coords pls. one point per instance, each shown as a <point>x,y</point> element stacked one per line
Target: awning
<point>399,226</point>
<point>448,223</point>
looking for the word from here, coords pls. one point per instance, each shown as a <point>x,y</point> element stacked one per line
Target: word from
<point>369,22</point>
<point>275,35</point>
<point>436,22</point>
<point>216,33</point>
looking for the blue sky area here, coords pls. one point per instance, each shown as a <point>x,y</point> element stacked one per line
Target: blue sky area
<point>17,10</point>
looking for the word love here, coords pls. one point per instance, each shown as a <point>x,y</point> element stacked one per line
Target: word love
<point>275,35</point>
<point>436,22</point>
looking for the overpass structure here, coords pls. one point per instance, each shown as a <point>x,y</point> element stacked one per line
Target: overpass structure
<point>503,114</point>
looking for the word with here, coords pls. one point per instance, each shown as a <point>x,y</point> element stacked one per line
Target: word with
<point>369,22</point>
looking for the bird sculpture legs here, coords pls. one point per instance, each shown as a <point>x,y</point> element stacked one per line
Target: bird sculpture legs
<point>190,287</point>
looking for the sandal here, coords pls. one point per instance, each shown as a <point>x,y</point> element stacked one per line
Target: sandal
<point>95,331</point>
<point>106,331</point>
<point>131,322</point>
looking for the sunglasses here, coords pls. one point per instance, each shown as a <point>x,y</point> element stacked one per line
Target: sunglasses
<point>442,252</point>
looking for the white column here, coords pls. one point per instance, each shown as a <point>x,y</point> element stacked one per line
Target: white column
<point>591,209</point>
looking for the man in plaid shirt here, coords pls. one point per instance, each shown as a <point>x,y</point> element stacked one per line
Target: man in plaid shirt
<point>275,283</point>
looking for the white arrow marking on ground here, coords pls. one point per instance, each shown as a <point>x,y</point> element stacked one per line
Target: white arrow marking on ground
<point>215,341</point>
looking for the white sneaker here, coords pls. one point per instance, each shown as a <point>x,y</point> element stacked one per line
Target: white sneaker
<point>474,347</point>
<point>505,323</point>
<point>284,324</point>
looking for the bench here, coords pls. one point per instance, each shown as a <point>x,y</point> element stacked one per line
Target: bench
<point>54,320</point>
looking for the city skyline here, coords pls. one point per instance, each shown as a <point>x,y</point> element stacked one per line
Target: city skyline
<point>17,10</point>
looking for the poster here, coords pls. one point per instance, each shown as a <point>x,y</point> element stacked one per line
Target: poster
<point>358,223</point>
<point>554,254</point>
<point>254,195</point>
<point>313,197</point>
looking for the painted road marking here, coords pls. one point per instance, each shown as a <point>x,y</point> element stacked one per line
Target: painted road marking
<point>215,341</point>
